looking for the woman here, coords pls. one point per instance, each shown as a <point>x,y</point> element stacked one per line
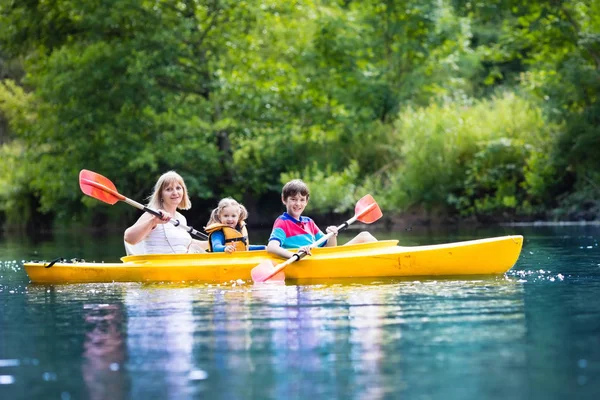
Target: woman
<point>156,234</point>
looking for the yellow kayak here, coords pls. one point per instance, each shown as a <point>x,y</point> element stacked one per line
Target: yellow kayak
<point>379,259</point>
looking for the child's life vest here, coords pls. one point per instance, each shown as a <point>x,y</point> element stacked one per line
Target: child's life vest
<point>238,236</point>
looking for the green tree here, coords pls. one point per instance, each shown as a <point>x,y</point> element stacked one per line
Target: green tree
<point>554,48</point>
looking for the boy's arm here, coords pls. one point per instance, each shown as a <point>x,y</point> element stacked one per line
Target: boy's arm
<point>332,242</point>
<point>276,239</point>
<point>274,247</point>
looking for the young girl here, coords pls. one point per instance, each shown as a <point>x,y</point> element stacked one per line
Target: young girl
<point>227,230</point>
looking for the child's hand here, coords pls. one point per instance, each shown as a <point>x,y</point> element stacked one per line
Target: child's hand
<point>229,249</point>
<point>332,229</point>
<point>305,249</point>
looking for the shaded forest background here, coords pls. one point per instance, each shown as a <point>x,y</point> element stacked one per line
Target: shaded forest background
<point>484,110</point>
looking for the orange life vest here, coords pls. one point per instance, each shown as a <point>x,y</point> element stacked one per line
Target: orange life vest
<point>239,236</point>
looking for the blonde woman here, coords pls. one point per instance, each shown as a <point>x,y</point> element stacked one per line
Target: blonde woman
<point>156,234</point>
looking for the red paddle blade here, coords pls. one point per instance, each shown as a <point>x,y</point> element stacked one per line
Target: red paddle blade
<point>368,207</point>
<point>264,272</point>
<point>98,187</point>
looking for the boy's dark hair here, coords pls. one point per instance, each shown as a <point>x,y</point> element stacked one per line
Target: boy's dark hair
<point>294,187</point>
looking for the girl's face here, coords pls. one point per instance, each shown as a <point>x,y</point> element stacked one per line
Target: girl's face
<point>172,195</point>
<point>229,216</point>
<point>295,205</point>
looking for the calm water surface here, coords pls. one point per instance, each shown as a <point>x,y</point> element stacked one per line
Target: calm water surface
<point>531,334</point>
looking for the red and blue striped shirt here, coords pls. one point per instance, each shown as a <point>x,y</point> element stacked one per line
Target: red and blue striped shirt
<point>292,233</point>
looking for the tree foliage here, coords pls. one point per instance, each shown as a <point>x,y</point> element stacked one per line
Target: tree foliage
<point>239,96</point>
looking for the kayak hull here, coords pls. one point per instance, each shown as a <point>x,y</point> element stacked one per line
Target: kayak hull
<point>379,259</point>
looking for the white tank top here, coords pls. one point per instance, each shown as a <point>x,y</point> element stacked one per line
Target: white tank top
<point>168,239</point>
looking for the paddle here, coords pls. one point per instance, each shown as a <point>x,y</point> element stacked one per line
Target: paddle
<point>366,211</point>
<point>101,188</point>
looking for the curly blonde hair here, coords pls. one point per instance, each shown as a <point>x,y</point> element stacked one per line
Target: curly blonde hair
<point>227,202</point>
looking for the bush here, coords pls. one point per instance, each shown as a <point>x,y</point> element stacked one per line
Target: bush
<point>470,158</point>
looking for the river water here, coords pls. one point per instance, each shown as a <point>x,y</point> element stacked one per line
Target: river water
<point>533,333</point>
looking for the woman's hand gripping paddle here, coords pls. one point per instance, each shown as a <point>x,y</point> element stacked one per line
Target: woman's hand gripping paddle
<point>101,188</point>
<point>366,211</point>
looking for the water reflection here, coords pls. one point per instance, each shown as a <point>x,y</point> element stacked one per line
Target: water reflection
<point>531,335</point>
<point>344,338</point>
<point>104,352</point>
<point>160,340</point>
<point>326,339</point>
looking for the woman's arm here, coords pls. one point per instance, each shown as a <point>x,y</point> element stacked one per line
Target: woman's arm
<point>203,244</point>
<point>143,226</point>
<point>198,246</point>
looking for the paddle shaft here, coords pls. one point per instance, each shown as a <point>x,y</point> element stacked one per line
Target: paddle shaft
<point>301,254</point>
<point>189,229</point>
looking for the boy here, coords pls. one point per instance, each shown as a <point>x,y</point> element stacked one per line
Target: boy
<point>292,230</point>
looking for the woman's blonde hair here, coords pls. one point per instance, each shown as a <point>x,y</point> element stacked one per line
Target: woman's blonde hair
<point>227,202</point>
<point>166,179</point>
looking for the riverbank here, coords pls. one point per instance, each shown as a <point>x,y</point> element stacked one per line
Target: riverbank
<point>413,220</point>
